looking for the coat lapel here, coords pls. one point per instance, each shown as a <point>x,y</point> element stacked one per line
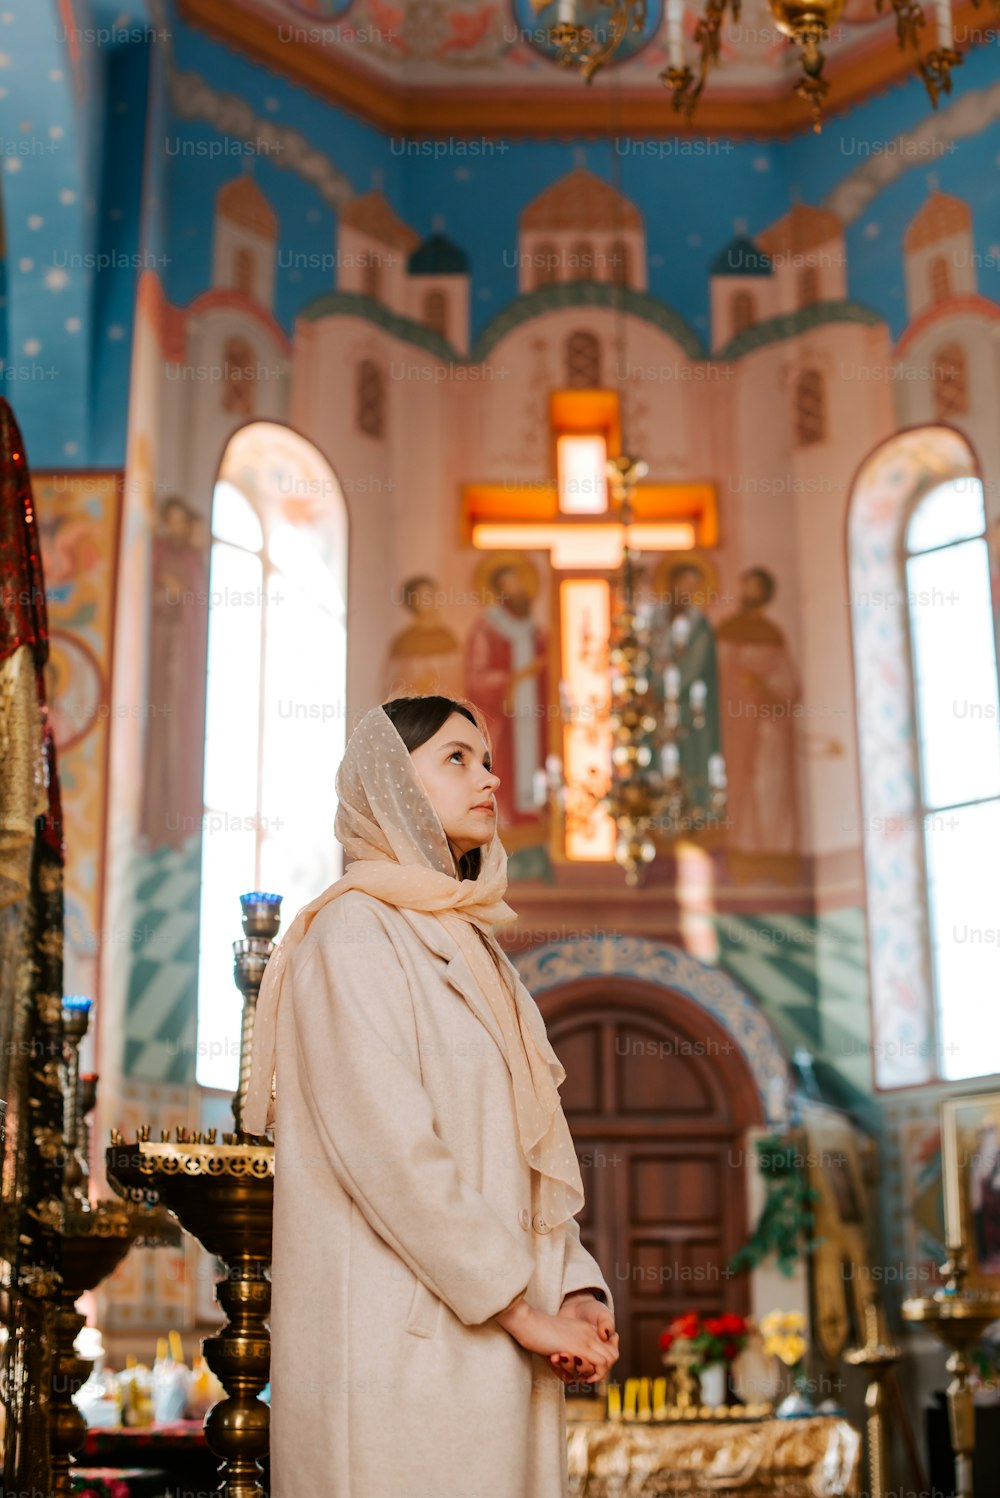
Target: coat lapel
<point>457,973</point>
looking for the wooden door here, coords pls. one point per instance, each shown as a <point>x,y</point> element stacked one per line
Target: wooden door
<point>657,1096</point>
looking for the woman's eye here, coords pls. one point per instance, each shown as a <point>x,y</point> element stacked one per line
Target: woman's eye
<point>455,754</point>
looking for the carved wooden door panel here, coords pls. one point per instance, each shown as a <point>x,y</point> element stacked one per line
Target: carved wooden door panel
<point>657,1096</point>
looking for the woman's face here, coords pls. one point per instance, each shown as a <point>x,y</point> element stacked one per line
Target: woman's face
<point>453,768</point>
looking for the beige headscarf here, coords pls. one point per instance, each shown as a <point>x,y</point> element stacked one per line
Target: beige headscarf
<point>401,854</point>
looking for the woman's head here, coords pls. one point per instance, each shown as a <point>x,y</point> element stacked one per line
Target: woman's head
<point>448,742</point>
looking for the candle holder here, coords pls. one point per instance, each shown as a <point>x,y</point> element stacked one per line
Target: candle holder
<point>878,1357</point>
<point>223,1194</point>
<point>957,1316</point>
<point>94,1238</point>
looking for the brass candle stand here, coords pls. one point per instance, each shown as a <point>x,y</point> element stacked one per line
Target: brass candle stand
<point>95,1237</point>
<point>878,1357</point>
<point>957,1316</point>
<point>223,1194</point>
<point>94,1242</point>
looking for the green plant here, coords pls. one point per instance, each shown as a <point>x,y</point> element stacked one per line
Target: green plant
<point>786,1223</point>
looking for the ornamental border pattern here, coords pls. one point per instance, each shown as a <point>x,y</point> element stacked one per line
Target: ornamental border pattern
<point>547,967</point>
<point>570,294</point>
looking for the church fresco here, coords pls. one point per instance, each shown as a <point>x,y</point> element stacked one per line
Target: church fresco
<point>172,770</point>
<point>276,210</point>
<point>507,674</point>
<point>78,521</point>
<point>760,694</point>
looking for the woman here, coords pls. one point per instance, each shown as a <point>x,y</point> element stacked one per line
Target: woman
<point>430,1291</point>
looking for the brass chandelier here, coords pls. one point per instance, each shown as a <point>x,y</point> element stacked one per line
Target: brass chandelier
<point>587,33</point>
<point>650,790</point>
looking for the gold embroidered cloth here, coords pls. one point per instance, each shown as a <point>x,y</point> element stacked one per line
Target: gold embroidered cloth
<point>817,1457</point>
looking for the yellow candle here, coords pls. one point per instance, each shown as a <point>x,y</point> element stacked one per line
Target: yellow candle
<point>659,1398</point>
<point>645,1412</point>
<point>631,1394</point>
<point>614,1401</point>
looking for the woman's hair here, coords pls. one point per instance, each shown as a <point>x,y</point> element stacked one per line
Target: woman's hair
<point>417,719</point>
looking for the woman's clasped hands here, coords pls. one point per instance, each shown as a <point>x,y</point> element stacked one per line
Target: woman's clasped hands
<point>580,1342</point>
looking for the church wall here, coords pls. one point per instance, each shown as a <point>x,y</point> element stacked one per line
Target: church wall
<point>975,333</point>
<point>796,942</point>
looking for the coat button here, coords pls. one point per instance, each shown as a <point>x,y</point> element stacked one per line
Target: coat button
<point>524,1219</point>
<point>541,1226</point>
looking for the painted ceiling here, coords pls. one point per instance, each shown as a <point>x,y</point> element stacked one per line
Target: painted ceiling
<point>431,65</point>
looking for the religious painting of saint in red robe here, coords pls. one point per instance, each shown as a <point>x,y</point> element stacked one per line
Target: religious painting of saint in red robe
<point>506,675</point>
<point>175,722</point>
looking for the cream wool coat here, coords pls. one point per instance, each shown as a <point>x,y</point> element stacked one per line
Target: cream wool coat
<point>403,1222</point>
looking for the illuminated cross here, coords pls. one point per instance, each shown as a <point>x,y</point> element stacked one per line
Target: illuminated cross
<point>574,518</point>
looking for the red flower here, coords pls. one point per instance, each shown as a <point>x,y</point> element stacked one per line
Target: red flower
<point>686,1326</point>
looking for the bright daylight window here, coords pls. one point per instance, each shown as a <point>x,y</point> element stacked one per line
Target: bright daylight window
<point>275,722</point>
<point>958,730</point>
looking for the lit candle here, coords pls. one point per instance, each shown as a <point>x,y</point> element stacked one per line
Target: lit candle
<point>553,768</point>
<point>680,630</point>
<point>699,696</point>
<point>672,683</point>
<point>670,758</point>
<point>716,771</point>
<point>540,782</point>
<point>942,14</point>
<point>675,32</point>
<point>566,13</point>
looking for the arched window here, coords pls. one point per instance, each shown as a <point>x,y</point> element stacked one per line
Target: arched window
<point>619,262</point>
<point>275,722</point>
<point>929,742</point>
<point>244,270</point>
<point>436,311</point>
<point>810,408</point>
<point>371,278</point>
<point>239,373</point>
<point>583,361</point>
<point>808,285</point>
<point>743,310</point>
<point>369,410</point>
<point>951,382</point>
<point>940,275</point>
<point>582,261</point>
<point>545,264</point>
